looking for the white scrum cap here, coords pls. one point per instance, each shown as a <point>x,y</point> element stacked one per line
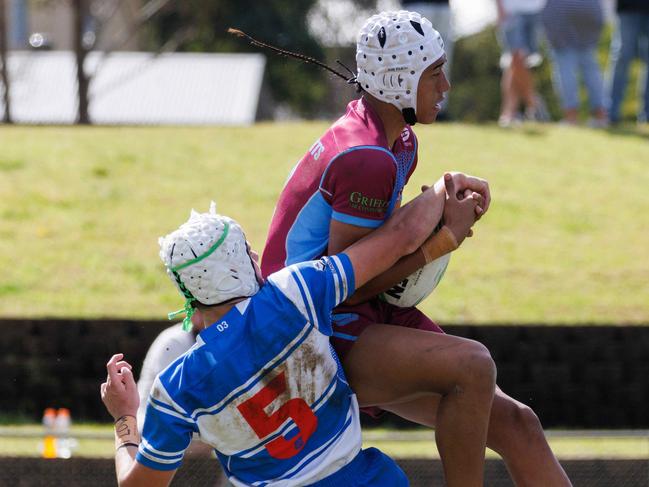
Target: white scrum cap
<point>392,51</point>
<point>208,260</point>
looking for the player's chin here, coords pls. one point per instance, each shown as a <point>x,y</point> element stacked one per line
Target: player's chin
<point>428,116</point>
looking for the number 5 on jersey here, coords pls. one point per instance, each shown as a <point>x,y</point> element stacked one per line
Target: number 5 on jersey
<point>263,424</point>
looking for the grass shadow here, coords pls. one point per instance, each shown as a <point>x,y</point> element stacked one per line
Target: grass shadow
<point>629,131</point>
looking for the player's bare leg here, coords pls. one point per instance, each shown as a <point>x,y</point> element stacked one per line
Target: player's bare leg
<point>390,364</point>
<point>509,96</point>
<point>522,80</point>
<point>515,433</point>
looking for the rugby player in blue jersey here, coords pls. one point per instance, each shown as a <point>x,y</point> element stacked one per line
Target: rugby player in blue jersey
<point>263,386</point>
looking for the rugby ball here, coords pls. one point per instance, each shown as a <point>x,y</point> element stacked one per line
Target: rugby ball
<point>418,285</point>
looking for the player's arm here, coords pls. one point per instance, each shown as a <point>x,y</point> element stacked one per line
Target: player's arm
<point>402,269</point>
<point>349,223</point>
<point>130,472</point>
<point>442,242</point>
<point>343,235</point>
<point>119,394</point>
<point>408,228</point>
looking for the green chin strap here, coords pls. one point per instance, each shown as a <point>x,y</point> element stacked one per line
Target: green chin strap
<point>188,311</point>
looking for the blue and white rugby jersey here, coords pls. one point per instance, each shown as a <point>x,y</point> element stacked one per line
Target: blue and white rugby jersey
<point>263,386</point>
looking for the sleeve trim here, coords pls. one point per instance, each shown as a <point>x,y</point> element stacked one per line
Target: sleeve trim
<point>147,446</point>
<point>342,290</point>
<point>356,220</point>
<point>306,297</point>
<point>152,462</point>
<point>347,274</point>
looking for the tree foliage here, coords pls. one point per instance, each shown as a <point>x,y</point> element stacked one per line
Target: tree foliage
<point>279,22</point>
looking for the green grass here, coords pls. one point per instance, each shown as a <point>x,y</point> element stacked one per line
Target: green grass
<point>25,440</point>
<point>97,441</point>
<point>81,210</point>
<point>565,445</point>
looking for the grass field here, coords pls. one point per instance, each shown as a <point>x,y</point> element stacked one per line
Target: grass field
<point>97,441</point>
<point>81,209</point>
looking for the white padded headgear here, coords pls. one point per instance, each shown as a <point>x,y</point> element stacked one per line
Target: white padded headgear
<point>208,260</point>
<point>393,50</point>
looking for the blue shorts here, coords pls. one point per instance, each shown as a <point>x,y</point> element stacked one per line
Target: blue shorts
<point>370,468</point>
<point>520,32</point>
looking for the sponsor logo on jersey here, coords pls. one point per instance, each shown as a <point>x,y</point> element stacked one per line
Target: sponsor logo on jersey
<point>358,201</point>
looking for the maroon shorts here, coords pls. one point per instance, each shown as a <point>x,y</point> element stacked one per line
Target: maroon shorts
<point>350,321</point>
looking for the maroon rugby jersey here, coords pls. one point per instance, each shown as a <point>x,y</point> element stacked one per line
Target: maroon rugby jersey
<point>349,175</point>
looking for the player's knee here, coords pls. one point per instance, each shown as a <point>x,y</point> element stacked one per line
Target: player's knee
<point>479,368</point>
<point>524,421</point>
<point>530,422</point>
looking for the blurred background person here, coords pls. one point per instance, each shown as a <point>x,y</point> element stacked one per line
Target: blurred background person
<point>573,29</point>
<point>519,25</point>
<point>439,14</point>
<point>630,40</point>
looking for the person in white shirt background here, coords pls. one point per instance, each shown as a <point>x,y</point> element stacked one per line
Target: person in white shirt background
<point>519,27</point>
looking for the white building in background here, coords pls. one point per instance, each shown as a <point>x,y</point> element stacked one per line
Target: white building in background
<point>137,88</point>
<point>126,87</point>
